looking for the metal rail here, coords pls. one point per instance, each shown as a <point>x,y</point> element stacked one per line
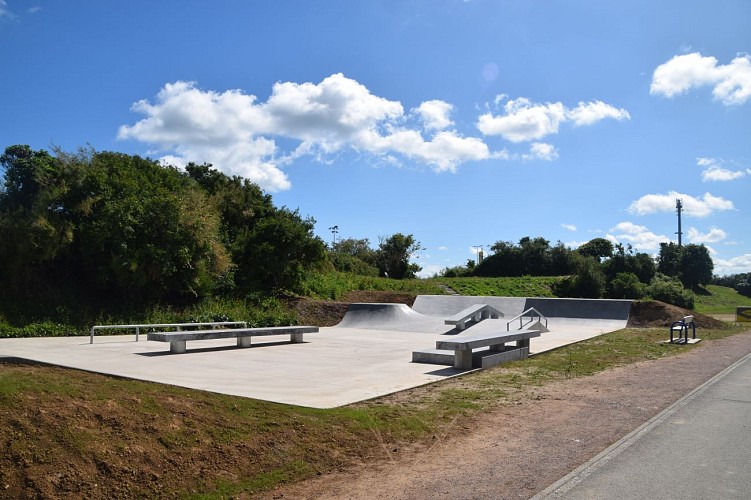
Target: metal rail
<point>178,326</point>
<point>532,313</point>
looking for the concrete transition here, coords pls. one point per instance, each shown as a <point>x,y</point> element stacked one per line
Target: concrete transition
<point>367,355</point>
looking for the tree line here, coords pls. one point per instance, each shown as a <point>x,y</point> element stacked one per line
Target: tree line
<point>102,224</point>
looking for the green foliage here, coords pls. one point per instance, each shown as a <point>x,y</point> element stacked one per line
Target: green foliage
<point>599,248</point>
<point>394,255</point>
<point>334,285</point>
<point>625,286</point>
<point>624,260</point>
<point>744,288</point>
<point>692,264</point>
<point>531,257</point>
<point>588,282</point>
<point>272,248</point>
<point>100,231</point>
<point>525,286</point>
<point>671,291</point>
<point>696,266</point>
<point>105,223</point>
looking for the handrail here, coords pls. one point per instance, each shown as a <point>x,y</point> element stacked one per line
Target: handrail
<point>532,313</point>
<point>162,325</point>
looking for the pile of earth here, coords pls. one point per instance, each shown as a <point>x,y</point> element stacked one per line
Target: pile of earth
<point>655,314</point>
<point>644,314</point>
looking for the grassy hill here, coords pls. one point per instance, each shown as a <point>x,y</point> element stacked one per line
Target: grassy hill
<point>719,300</point>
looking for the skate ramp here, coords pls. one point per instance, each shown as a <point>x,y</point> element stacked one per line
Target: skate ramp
<point>444,306</point>
<point>391,317</point>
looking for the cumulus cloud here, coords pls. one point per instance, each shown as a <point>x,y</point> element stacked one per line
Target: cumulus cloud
<point>714,235</point>
<point>694,207</point>
<point>523,120</point>
<point>638,236</point>
<point>435,114</point>
<point>714,170</point>
<point>734,265</point>
<point>731,83</point>
<point>569,227</point>
<point>237,134</point>
<point>541,151</point>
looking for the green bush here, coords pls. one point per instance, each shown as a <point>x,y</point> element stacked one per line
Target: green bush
<point>588,282</point>
<point>670,290</point>
<point>625,286</point>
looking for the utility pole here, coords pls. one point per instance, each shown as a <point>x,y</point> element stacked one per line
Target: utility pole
<point>679,209</point>
<point>479,253</point>
<point>334,230</point>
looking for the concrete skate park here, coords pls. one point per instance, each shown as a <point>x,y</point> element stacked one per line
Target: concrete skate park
<point>368,354</point>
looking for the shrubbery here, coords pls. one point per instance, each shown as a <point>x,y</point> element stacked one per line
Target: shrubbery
<point>670,290</point>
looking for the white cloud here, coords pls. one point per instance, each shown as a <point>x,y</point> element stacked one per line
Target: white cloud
<point>592,112</point>
<point>523,120</point>
<point>237,134</point>
<point>735,265</point>
<point>731,83</point>
<point>443,248</point>
<point>569,227</point>
<point>430,270</point>
<point>435,114</point>
<point>694,207</point>
<point>715,171</point>
<point>714,235</point>
<point>639,237</point>
<point>541,151</point>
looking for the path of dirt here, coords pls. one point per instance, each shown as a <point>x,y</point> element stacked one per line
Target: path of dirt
<point>517,451</point>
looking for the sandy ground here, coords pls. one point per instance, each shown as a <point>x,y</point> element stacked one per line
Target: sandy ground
<point>517,451</point>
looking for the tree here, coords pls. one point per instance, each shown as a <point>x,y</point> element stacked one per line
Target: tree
<point>696,266</point>
<point>588,282</point>
<point>107,222</point>
<point>271,248</point>
<point>692,264</point>
<point>394,254</point>
<point>626,286</point>
<point>599,248</point>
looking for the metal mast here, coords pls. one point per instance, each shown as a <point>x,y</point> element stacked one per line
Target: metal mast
<point>679,209</point>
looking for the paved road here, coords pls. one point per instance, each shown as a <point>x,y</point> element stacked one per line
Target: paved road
<point>698,448</point>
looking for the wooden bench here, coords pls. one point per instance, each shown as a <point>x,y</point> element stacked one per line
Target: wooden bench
<point>681,327</point>
<point>499,353</point>
<point>475,312</point>
<point>177,340</point>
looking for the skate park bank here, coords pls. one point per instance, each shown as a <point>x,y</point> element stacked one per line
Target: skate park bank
<point>368,354</point>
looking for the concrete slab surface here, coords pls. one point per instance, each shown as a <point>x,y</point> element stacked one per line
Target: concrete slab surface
<point>334,367</point>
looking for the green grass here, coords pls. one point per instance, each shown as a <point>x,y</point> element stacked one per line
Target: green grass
<point>334,285</point>
<point>524,286</point>
<point>719,300</point>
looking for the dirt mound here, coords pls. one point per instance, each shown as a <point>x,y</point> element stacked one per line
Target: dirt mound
<point>654,314</point>
<point>329,313</point>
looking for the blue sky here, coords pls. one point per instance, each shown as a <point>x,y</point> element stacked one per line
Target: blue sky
<point>460,122</point>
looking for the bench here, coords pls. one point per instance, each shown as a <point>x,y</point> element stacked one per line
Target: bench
<point>475,312</point>
<point>499,353</point>
<point>177,340</point>
<point>681,327</point>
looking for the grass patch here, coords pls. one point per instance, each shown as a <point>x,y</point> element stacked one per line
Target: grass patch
<point>523,286</point>
<point>716,299</point>
<point>334,285</point>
